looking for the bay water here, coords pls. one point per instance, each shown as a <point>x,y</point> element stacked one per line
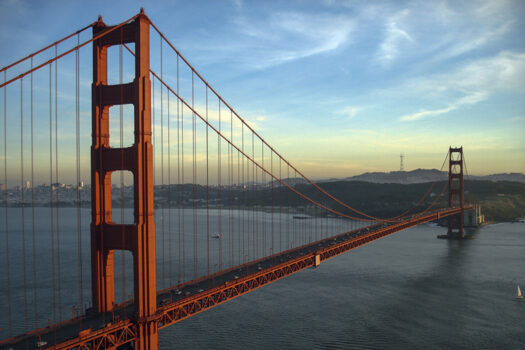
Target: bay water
<point>405,291</point>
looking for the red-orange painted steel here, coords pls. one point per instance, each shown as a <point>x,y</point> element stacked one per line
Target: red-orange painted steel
<point>188,307</point>
<point>106,236</point>
<point>456,192</point>
<point>125,331</point>
<point>63,54</point>
<point>314,184</point>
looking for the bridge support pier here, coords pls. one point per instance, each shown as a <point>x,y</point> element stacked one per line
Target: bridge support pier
<point>106,236</point>
<point>455,194</point>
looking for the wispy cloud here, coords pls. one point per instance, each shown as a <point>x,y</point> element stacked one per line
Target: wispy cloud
<point>237,3</point>
<point>395,37</point>
<point>465,100</point>
<point>469,84</point>
<point>426,113</point>
<point>350,111</point>
<point>449,33</point>
<point>485,24</point>
<point>287,36</point>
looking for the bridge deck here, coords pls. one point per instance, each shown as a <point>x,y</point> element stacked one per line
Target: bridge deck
<point>185,300</point>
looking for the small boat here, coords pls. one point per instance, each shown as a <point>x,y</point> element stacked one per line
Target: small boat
<point>218,235</point>
<point>520,295</point>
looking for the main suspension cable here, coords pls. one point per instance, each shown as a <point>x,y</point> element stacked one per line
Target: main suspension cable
<point>57,57</point>
<point>372,218</point>
<point>255,163</point>
<point>30,56</point>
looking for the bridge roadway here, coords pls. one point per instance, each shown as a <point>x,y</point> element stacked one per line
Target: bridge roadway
<point>117,328</point>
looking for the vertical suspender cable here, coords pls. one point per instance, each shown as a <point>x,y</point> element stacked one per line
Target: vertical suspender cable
<point>230,183</point>
<point>163,234</point>
<point>153,133</point>
<point>78,204</point>
<point>246,203</point>
<point>153,127</point>
<point>280,208</point>
<point>263,203</point>
<point>57,191</point>
<point>271,170</point>
<point>257,201</point>
<point>207,192</point>
<point>316,233</point>
<point>35,300</point>
<point>332,231</point>
<point>8,272</point>
<point>325,224</point>
<point>22,190</point>
<point>288,210</point>
<point>254,223</point>
<point>52,214</point>
<point>163,284</point>
<point>194,173</point>
<point>239,218</point>
<point>250,204</point>
<point>179,184</point>
<point>170,257</point>
<point>183,192</point>
<point>243,198</point>
<point>219,173</point>
<point>294,226</point>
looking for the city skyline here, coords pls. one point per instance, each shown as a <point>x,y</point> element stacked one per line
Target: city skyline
<point>337,88</point>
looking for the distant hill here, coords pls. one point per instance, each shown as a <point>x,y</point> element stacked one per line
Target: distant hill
<point>500,200</point>
<point>515,177</point>
<point>402,177</point>
<point>424,175</point>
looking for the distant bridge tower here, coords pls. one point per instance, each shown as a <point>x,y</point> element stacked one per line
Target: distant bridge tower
<point>106,236</point>
<point>401,167</point>
<point>456,192</point>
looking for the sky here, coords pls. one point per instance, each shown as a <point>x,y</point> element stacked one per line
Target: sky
<point>338,87</point>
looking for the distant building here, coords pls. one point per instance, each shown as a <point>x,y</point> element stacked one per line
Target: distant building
<point>28,184</point>
<point>3,187</point>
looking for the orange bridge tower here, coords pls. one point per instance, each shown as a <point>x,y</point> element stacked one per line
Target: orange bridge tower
<point>456,193</point>
<point>106,236</point>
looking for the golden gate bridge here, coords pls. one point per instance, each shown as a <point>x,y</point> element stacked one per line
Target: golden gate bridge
<point>216,211</point>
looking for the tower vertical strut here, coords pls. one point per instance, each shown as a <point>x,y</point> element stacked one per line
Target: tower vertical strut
<point>106,236</point>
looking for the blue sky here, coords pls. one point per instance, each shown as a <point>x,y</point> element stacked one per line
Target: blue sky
<point>338,87</point>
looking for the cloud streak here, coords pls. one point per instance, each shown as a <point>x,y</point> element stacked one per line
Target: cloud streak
<point>474,82</point>
<point>350,111</point>
<point>286,36</point>
<point>395,38</point>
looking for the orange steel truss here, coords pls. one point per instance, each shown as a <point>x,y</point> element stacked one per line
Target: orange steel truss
<point>109,337</point>
<point>106,236</point>
<point>125,331</point>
